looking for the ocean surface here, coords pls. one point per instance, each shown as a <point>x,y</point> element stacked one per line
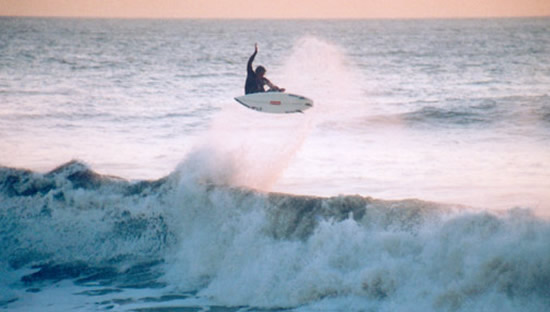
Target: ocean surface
<point>130,179</point>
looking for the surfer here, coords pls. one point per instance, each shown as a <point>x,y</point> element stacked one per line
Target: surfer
<point>256,80</point>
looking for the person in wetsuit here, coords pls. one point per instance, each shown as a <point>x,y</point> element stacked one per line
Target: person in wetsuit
<point>255,80</point>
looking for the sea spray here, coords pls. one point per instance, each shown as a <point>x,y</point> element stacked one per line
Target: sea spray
<point>321,70</point>
<point>259,146</point>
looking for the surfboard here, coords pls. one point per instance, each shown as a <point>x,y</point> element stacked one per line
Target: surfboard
<point>275,102</point>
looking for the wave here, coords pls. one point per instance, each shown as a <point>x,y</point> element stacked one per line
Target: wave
<point>244,247</point>
<point>480,112</point>
<point>74,214</point>
<point>446,116</point>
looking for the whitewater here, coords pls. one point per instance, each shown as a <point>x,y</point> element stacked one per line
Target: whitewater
<point>131,181</point>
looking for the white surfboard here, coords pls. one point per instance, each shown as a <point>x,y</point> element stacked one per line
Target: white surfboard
<point>275,102</point>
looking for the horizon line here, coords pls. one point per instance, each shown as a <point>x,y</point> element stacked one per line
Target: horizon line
<point>473,17</point>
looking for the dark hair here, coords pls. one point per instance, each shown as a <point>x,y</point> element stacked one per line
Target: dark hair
<point>260,70</point>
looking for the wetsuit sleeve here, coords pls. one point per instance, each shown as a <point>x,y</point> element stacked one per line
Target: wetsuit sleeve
<point>249,65</point>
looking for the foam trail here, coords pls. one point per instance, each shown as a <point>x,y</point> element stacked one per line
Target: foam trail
<point>242,152</point>
<point>247,148</point>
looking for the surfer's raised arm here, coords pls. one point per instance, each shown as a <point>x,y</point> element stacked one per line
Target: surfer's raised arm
<point>249,68</point>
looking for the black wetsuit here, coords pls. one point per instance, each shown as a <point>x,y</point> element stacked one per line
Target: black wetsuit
<point>254,84</point>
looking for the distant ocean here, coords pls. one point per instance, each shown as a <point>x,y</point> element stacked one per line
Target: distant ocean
<point>130,179</point>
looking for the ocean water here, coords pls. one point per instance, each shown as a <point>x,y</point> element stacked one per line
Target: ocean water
<point>130,179</point>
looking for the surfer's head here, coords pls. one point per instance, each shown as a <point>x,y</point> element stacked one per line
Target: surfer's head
<point>260,71</point>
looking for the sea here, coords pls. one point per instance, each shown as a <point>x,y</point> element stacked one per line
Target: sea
<point>131,180</point>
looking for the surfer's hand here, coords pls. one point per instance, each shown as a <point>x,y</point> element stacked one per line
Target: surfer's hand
<point>255,48</point>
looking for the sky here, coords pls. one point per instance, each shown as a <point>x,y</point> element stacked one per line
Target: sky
<point>276,8</point>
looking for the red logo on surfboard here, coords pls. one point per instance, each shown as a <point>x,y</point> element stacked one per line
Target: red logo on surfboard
<point>275,102</point>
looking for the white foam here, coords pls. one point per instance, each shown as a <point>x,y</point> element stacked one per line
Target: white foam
<point>390,260</point>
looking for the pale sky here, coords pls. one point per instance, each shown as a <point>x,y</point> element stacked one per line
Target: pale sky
<point>276,8</point>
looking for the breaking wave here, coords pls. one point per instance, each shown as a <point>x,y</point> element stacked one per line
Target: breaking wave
<point>243,247</point>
